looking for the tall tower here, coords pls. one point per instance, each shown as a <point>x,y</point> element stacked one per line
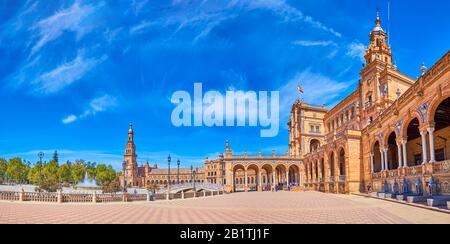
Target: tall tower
<point>378,50</point>
<point>130,156</point>
<point>380,79</point>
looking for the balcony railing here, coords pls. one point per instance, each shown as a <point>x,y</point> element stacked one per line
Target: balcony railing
<point>412,171</point>
<point>441,167</point>
<point>342,178</point>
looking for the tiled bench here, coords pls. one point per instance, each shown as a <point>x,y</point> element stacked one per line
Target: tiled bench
<point>416,199</point>
<point>390,196</point>
<point>403,197</point>
<point>448,205</point>
<point>438,201</point>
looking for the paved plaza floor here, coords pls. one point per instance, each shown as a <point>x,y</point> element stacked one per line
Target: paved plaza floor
<point>238,208</point>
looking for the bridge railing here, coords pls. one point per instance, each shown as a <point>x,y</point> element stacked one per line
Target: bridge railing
<point>60,197</point>
<point>197,186</point>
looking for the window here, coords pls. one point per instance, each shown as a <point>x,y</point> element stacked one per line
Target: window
<point>317,129</point>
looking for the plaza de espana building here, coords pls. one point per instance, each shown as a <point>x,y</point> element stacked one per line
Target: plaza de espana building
<point>392,133</point>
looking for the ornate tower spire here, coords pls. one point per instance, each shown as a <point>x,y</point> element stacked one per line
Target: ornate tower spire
<point>378,51</point>
<point>228,153</point>
<point>130,132</point>
<point>130,156</point>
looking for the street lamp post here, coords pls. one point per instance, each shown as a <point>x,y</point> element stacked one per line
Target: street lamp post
<point>168,161</point>
<point>178,171</point>
<point>41,156</point>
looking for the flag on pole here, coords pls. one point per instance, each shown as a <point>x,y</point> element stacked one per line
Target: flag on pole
<point>300,89</point>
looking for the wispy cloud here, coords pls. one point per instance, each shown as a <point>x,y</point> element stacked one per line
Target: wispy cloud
<point>304,43</point>
<point>288,12</point>
<point>65,74</point>
<point>319,89</point>
<point>204,16</point>
<point>97,105</point>
<point>356,50</point>
<point>70,19</point>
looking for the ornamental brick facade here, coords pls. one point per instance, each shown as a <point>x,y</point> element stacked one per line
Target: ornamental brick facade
<point>392,134</point>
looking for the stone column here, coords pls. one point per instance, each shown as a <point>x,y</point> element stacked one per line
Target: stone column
<point>432,152</point>
<point>386,163</point>
<point>245,181</point>
<point>424,146</point>
<point>94,197</point>
<point>399,150</point>
<point>372,162</point>
<point>336,173</point>
<point>273,178</point>
<point>287,177</point>
<point>382,160</point>
<point>260,186</point>
<point>405,155</point>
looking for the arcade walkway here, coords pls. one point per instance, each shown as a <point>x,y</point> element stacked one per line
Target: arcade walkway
<point>251,208</point>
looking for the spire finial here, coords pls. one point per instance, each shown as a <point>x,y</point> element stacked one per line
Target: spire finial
<point>131,127</point>
<point>378,20</point>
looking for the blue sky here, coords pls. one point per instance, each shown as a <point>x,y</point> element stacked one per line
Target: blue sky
<point>74,73</point>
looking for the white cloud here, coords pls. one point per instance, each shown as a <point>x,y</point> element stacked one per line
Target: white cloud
<point>290,13</point>
<point>70,119</point>
<point>319,89</point>
<point>204,16</point>
<point>70,19</point>
<point>97,105</point>
<point>304,43</point>
<point>357,50</point>
<point>65,74</point>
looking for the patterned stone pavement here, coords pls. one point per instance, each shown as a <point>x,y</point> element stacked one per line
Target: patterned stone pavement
<point>239,208</point>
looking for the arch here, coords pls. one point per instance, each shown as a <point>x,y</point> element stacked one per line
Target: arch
<point>376,150</point>
<point>281,175</point>
<point>388,133</point>
<point>404,129</point>
<point>267,173</point>
<point>342,162</point>
<point>441,132</point>
<point>253,177</point>
<point>331,162</point>
<point>238,173</point>
<point>314,144</point>
<point>392,159</point>
<point>294,175</point>
<point>434,104</point>
<point>413,137</point>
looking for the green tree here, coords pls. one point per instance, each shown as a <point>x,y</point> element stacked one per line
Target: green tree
<point>35,175</point>
<point>64,173</point>
<point>17,170</point>
<point>105,173</point>
<point>50,178</point>
<point>77,172</point>
<point>3,168</point>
